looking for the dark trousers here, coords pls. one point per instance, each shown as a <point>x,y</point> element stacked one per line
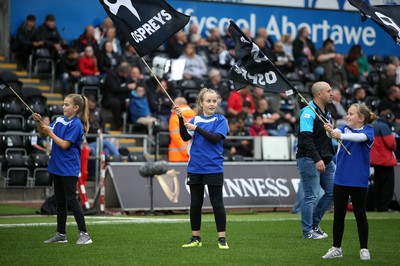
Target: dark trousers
<point>65,194</point>
<point>196,203</point>
<point>358,196</point>
<point>115,105</point>
<point>384,187</point>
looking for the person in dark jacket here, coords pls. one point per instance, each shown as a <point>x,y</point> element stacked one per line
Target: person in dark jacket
<point>115,92</point>
<point>69,70</point>
<point>22,44</point>
<point>383,160</point>
<point>314,160</point>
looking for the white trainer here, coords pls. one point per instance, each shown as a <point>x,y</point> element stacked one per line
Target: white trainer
<point>333,253</point>
<point>364,254</point>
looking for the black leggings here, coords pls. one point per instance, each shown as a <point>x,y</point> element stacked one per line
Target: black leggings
<point>340,199</point>
<point>65,194</point>
<point>197,197</point>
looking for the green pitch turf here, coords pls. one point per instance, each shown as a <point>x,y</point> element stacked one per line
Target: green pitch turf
<point>254,239</point>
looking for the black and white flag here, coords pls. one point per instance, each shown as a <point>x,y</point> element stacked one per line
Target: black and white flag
<point>387,17</point>
<point>145,23</point>
<point>253,67</point>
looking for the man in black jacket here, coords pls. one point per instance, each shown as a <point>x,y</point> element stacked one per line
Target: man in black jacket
<point>314,160</point>
<point>22,44</point>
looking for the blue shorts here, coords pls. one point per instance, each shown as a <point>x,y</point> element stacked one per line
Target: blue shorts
<point>205,179</point>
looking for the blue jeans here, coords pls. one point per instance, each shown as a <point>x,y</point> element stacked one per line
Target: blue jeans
<point>312,209</point>
<point>108,147</point>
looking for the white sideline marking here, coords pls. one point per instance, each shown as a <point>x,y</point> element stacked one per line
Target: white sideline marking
<point>128,220</point>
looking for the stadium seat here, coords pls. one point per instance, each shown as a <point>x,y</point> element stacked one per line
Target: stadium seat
<point>35,100</point>
<point>41,62</point>
<point>13,123</point>
<point>18,174</point>
<point>41,177</point>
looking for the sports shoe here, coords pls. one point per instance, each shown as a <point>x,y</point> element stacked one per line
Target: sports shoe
<point>193,242</point>
<point>364,254</point>
<point>84,238</point>
<point>57,238</point>
<point>313,235</point>
<point>319,231</point>
<point>222,243</point>
<point>333,253</point>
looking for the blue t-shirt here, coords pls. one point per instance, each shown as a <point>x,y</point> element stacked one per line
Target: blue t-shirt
<point>66,162</point>
<point>353,170</point>
<point>205,157</point>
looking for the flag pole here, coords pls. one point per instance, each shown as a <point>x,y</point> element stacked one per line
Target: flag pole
<point>19,97</point>
<point>323,120</point>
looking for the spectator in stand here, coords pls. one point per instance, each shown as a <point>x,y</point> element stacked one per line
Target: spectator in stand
<point>359,94</point>
<point>396,62</point>
<point>176,44</point>
<point>351,65</point>
<point>88,63</point>
<point>48,36</point>
<point>337,109</point>
<point>139,109</point>
<point>258,93</point>
<point>257,129</point>
<point>383,161</point>
<point>215,45</point>
<point>260,42</point>
<point>362,62</point>
<point>236,148</point>
<point>281,60</point>
<point>160,103</point>
<point>335,73</point>
<point>324,56</point>
<point>177,148</point>
<point>193,36</point>
<point>108,59</point>
<point>288,108</point>
<point>263,34</point>
<point>39,143</point>
<point>97,125</point>
<point>130,55</point>
<point>391,102</point>
<point>222,87</point>
<point>87,38</point>
<point>195,68</point>
<point>100,31</point>
<point>115,91</point>
<point>271,119</point>
<point>386,80</point>
<point>112,37</point>
<point>303,49</point>
<point>135,77</point>
<point>22,44</point>
<point>287,43</point>
<point>236,99</point>
<point>245,115</point>
<point>69,70</point>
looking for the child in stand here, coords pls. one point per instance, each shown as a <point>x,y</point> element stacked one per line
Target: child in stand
<point>257,129</point>
<point>351,177</point>
<point>206,133</point>
<point>67,133</point>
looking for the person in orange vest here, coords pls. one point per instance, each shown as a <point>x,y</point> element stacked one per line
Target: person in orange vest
<point>177,148</point>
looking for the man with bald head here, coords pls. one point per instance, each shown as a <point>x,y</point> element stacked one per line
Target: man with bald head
<point>314,160</point>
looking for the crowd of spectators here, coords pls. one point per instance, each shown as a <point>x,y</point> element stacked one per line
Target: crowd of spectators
<point>103,52</point>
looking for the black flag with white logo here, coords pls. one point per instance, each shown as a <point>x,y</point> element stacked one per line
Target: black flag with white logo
<point>253,67</point>
<point>387,17</point>
<point>145,23</point>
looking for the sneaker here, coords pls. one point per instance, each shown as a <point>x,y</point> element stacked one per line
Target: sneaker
<point>333,253</point>
<point>57,238</point>
<point>319,231</point>
<point>193,242</point>
<point>313,235</point>
<point>222,243</point>
<point>83,239</point>
<point>364,254</point>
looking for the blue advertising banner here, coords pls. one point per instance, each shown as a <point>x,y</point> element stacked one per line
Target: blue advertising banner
<point>344,27</point>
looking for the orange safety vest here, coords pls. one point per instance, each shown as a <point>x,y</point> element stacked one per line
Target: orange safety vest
<point>177,148</point>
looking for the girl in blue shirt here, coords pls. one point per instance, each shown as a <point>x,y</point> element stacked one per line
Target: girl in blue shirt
<point>64,165</point>
<point>351,177</point>
<point>206,133</point>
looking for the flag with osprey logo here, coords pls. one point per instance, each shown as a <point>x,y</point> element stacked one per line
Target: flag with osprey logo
<point>386,16</point>
<point>145,23</point>
<point>253,67</point>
